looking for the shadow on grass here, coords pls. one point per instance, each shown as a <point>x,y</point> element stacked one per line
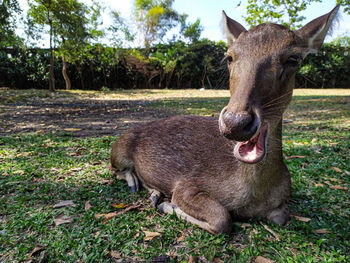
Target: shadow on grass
<point>37,170</point>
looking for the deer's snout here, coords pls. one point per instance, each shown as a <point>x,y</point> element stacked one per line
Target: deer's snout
<point>238,126</point>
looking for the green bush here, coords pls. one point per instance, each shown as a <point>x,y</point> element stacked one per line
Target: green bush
<point>173,65</point>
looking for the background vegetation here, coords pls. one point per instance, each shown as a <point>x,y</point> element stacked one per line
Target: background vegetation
<point>171,54</point>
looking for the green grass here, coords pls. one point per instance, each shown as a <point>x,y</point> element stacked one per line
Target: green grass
<point>38,171</point>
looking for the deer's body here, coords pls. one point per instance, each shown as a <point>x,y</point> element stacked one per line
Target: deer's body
<point>214,170</point>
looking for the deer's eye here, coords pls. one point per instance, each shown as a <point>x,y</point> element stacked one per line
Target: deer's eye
<point>228,58</point>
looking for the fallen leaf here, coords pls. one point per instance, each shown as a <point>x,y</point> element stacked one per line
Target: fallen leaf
<point>181,238</point>
<point>301,218</point>
<point>87,205</point>
<point>322,231</point>
<point>260,259</point>
<point>297,157</point>
<point>72,129</point>
<point>63,219</point>
<point>191,259</point>
<point>121,205</point>
<point>115,254</point>
<point>314,140</point>
<point>106,181</point>
<point>333,179</point>
<point>97,234</point>
<point>36,250</point>
<point>218,260</point>
<point>150,235</point>
<point>337,169</point>
<point>338,187</point>
<point>64,204</point>
<point>271,231</point>
<point>106,217</point>
<point>319,185</point>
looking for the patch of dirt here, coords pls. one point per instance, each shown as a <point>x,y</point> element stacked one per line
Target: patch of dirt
<point>81,117</point>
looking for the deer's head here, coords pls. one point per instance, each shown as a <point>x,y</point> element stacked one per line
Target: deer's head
<point>262,64</point>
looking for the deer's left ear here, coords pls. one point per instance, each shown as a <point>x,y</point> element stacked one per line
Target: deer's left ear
<point>232,28</point>
<point>315,31</point>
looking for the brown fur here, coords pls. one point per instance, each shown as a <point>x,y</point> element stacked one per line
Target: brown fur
<point>187,158</point>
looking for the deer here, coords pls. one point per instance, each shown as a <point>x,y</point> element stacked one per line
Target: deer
<point>210,171</point>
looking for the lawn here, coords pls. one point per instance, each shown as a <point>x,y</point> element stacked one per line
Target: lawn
<point>55,147</point>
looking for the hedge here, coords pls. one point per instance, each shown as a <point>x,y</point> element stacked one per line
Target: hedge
<point>174,65</point>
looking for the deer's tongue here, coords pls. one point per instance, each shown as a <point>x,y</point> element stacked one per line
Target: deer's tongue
<point>254,150</point>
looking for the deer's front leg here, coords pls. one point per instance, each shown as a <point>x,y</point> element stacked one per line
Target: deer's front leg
<point>198,208</point>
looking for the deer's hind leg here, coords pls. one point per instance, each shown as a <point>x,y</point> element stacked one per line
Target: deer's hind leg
<point>197,207</point>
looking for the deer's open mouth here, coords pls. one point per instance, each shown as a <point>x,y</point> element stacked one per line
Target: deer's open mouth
<point>254,150</point>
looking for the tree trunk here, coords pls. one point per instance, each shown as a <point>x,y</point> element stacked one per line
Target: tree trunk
<point>51,71</point>
<point>64,73</point>
<point>64,69</point>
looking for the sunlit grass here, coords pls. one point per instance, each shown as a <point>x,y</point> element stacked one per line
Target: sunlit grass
<point>39,170</point>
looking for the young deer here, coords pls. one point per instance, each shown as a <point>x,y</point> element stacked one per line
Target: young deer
<point>215,172</point>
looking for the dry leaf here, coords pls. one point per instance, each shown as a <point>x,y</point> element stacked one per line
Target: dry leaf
<point>106,217</point>
<point>245,225</point>
<point>218,260</point>
<point>314,140</point>
<point>271,231</point>
<point>260,259</point>
<point>121,205</point>
<point>97,234</point>
<point>106,181</point>
<point>338,187</point>
<point>72,129</point>
<point>36,250</point>
<point>191,259</point>
<point>87,205</point>
<point>115,254</point>
<point>297,157</point>
<point>300,218</point>
<point>337,169</point>
<point>322,231</point>
<point>319,185</point>
<point>63,219</point>
<point>333,179</point>
<point>64,204</point>
<point>181,238</point>
<point>150,235</point>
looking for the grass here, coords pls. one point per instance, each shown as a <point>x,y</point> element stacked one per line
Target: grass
<point>39,170</point>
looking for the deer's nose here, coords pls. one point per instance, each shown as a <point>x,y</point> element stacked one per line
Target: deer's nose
<point>238,126</point>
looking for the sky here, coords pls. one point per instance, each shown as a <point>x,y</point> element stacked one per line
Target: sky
<point>209,12</point>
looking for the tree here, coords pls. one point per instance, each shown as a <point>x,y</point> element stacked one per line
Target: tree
<point>154,19</point>
<point>8,10</point>
<point>191,31</point>
<point>71,24</point>
<point>284,12</point>
<point>120,30</point>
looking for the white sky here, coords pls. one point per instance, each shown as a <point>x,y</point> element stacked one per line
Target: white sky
<point>209,12</point>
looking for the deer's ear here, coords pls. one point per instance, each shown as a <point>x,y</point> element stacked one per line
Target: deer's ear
<point>232,28</point>
<point>315,31</point>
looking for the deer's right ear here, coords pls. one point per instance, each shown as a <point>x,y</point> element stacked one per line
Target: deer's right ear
<point>315,31</point>
<point>232,28</point>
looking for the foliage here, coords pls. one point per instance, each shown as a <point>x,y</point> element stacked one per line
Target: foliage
<point>284,12</point>
<point>329,68</point>
<point>174,65</point>
<point>154,19</point>
<point>8,10</point>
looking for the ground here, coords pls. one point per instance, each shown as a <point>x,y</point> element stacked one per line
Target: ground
<point>59,203</point>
